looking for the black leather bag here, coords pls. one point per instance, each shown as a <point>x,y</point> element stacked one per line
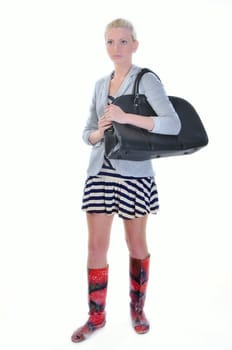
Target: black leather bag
<point>124,141</point>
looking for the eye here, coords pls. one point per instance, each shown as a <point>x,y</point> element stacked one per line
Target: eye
<point>123,41</point>
<point>109,42</point>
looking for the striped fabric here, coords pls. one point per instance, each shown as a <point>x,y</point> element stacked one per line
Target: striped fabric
<point>110,193</point>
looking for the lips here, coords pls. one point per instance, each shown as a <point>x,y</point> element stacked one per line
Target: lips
<point>117,56</point>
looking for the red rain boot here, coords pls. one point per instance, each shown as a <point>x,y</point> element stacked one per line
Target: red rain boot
<point>97,281</point>
<point>139,273</point>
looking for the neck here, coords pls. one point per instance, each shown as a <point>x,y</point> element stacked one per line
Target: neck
<point>120,72</point>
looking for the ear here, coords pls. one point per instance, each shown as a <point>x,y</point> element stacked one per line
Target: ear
<point>135,45</point>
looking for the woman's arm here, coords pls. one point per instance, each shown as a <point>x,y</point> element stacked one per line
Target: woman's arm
<point>115,113</point>
<point>93,132</point>
<point>167,120</point>
<point>97,135</point>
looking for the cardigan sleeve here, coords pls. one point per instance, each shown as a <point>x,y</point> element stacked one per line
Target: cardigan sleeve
<point>167,120</point>
<point>92,121</point>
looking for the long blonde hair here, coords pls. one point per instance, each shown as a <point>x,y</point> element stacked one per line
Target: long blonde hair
<point>122,23</point>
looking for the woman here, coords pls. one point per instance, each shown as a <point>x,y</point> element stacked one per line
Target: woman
<point>119,186</point>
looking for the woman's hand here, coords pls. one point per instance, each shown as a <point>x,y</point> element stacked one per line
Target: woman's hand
<point>98,134</point>
<point>103,124</point>
<point>114,113</point>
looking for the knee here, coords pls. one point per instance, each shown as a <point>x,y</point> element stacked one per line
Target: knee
<point>137,248</point>
<point>97,247</point>
<point>97,255</point>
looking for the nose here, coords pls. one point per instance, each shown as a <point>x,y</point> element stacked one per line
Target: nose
<point>116,47</point>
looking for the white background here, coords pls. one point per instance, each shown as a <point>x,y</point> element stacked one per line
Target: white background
<point>52,52</point>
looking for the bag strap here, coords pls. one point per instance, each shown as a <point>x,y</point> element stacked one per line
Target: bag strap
<point>138,78</point>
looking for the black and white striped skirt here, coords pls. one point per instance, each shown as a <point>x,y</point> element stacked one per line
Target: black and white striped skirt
<point>128,196</point>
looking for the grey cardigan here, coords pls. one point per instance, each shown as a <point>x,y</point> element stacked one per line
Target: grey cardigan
<point>166,121</point>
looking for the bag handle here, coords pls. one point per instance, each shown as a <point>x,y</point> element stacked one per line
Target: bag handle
<point>138,78</point>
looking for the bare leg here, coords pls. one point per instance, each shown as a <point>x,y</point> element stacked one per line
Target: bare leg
<point>139,271</point>
<point>135,230</point>
<point>99,227</point>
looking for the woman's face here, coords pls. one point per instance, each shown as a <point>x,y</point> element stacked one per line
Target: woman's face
<point>120,45</point>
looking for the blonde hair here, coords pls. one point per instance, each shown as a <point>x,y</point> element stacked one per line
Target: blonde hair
<point>122,23</point>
